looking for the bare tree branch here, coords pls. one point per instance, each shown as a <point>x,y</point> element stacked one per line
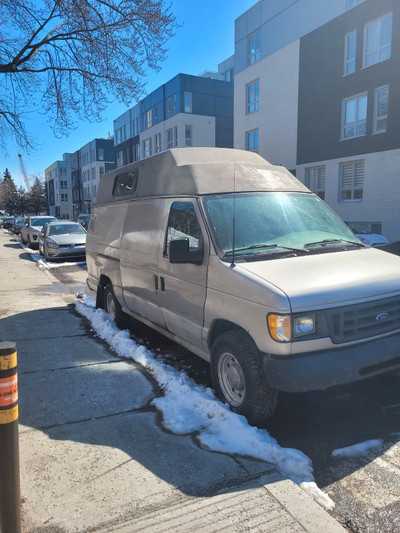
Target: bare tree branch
<point>76,55</point>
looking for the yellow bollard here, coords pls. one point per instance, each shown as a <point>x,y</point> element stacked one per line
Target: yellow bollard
<point>10,498</point>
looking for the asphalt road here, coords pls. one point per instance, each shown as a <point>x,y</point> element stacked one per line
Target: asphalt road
<point>366,489</point>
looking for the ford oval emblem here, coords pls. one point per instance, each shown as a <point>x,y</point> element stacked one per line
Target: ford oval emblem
<point>382,316</point>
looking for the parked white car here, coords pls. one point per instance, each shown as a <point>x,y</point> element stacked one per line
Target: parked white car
<point>31,229</point>
<point>363,231</point>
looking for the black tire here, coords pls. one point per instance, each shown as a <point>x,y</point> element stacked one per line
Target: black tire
<point>238,377</point>
<point>113,307</point>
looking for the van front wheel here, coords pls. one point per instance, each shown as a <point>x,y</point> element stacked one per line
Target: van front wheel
<point>113,307</point>
<point>238,377</point>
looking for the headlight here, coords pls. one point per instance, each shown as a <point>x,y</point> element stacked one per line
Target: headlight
<point>304,325</point>
<point>52,244</point>
<point>282,329</point>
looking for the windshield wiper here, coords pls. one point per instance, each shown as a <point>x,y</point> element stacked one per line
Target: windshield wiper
<point>266,246</point>
<point>325,242</point>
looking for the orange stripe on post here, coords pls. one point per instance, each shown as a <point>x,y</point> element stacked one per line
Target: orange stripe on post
<point>8,391</point>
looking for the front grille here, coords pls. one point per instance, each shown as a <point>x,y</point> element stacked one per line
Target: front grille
<point>365,320</point>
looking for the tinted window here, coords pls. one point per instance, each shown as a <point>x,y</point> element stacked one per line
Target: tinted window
<point>183,223</point>
<point>125,183</point>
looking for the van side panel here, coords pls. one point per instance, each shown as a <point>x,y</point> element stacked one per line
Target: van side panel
<point>103,244</point>
<point>140,248</point>
<point>184,288</point>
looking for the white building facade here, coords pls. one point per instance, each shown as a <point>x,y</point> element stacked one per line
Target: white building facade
<point>317,90</point>
<point>59,188</point>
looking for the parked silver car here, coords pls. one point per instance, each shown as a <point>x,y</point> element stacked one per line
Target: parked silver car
<point>83,220</point>
<point>62,239</point>
<point>32,227</point>
<point>17,225</point>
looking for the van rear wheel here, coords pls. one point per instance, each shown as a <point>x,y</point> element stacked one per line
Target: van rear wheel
<point>113,307</point>
<point>238,377</point>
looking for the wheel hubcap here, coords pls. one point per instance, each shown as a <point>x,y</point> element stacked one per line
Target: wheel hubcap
<point>231,379</point>
<point>110,304</point>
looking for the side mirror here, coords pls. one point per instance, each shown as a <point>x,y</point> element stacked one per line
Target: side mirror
<point>179,252</point>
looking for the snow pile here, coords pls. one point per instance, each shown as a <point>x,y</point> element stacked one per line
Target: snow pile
<point>188,408</point>
<point>359,449</point>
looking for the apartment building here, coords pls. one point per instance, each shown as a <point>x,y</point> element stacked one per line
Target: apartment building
<point>316,90</point>
<point>58,188</point>
<point>71,184</point>
<point>186,111</point>
<point>94,159</point>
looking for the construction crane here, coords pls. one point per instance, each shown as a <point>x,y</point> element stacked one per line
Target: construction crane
<point>26,179</point>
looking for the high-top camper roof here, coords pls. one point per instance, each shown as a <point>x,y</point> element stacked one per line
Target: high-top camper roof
<point>195,171</point>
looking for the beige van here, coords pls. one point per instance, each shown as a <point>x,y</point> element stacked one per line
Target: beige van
<point>239,262</point>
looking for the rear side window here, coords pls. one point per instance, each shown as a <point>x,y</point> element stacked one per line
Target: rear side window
<point>125,183</point>
<point>183,223</point>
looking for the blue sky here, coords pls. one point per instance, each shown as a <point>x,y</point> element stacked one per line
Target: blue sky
<point>205,38</point>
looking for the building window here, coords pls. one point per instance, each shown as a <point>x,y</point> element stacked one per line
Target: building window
<point>157,143</point>
<point>229,75</point>
<point>175,135</point>
<point>149,120</point>
<point>254,47</point>
<point>381,109</point>
<point>174,106</point>
<point>100,152</point>
<point>93,173</point>
<point>155,114</point>
<point>188,102</point>
<point>350,53</point>
<point>64,197</point>
<point>315,180</point>
<point>63,184</point>
<point>353,3</point>
<point>378,40</point>
<point>101,170</point>
<point>137,152</point>
<point>188,135</point>
<point>147,148</point>
<point>351,180</point>
<point>253,96</point>
<point>170,138</point>
<point>252,140</point>
<point>354,116</point>
<point>120,158</point>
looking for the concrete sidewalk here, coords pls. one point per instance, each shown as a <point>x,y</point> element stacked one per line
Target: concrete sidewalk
<point>94,455</point>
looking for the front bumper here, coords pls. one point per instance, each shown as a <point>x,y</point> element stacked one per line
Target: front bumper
<point>321,370</point>
<point>66,252</point>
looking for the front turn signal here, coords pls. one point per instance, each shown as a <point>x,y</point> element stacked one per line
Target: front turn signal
<point>279,327</point>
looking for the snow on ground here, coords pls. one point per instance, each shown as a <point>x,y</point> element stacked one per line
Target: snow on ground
<point>359,449</point>
<point>188,407</point>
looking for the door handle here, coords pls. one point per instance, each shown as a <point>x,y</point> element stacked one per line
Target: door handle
<point>162,281</point>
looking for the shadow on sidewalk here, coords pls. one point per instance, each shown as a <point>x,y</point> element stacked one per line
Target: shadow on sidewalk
<point>73,389</point>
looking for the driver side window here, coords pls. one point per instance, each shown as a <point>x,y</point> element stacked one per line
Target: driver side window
<point>183,223</point>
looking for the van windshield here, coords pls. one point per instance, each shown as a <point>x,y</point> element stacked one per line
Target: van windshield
<point>270,223</point>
